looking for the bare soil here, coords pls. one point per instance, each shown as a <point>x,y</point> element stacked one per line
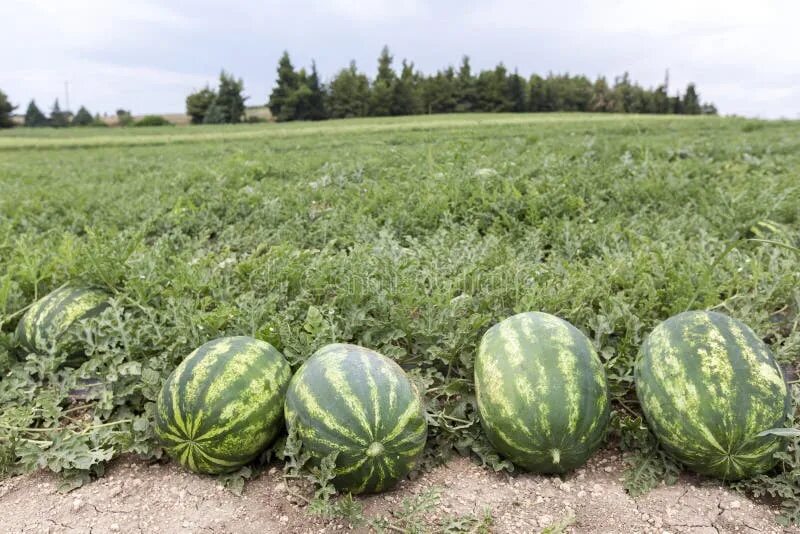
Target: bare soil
<point>137,497</point>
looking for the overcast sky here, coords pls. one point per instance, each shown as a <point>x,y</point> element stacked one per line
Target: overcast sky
<point>147,55</point>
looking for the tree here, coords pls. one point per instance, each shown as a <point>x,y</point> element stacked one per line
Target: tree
<point>34,118</point>
<point>405,94</point>
<point>492,90</point>
<point>197,104</point>
<point>215,114</point>
<point>229,98</point>
<point>691,101</point>
<point>58,119</point>
<point>316,103</point>
<point>124,117</point>
<point>515,93</point>
<point>6,109</point>
<point>380,102</point>
<point>466,94</point>
<point>348,93</point>
<point>286,84</point>
<point>82,117</point>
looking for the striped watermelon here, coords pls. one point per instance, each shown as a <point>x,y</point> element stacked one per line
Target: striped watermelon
<point>44,324</point>
<point>223,404</point>
<point>542,392</point>
<point>708,385</point>
<point>359,404</point>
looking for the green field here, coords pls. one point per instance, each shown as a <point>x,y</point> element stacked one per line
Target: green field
<point>410,236</point>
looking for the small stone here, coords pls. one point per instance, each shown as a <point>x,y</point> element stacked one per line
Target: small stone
<point>284,519</point>
<point>545,520</point>
<point>581,494</point>
<point>185,524</point>
<point>114,527</point>
<point>734,505</point>
<point>608,469</point>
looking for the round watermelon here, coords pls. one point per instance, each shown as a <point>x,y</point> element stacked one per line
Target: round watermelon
<point>43,326</point>
<point>355,402</point>
<point>708,386</point>
<point>223,404</point>
<point>542,392</point>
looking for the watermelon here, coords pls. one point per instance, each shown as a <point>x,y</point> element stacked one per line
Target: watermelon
<point>542,392</point>
<point>708,386</point>
<point>355,402</point>
<point>223,404</point>
<point>44,325</point>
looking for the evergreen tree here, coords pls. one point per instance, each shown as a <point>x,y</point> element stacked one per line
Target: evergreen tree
<point>58,119</point>
<point>197,104</point>
<point>316,103</point>
<point>348,94</point>
<point>82,117</point>
<point>467,97</point>
<point>230,100</point>
<point>691,101</point>
<point>440,92</point>
<point>286,84</point>
<point>380,102</point>
<point>6,109</point>
<point>34,118</point>
<point>405,95</point>
<point>492,90</point>
<point>515,93</point>
<point>601,99</point>
<point>536,95</point>
<point>215,114</point>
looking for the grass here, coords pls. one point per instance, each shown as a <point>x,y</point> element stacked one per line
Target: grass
<point>411,236</point>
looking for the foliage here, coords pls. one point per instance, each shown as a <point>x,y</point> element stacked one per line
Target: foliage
<point>58,118</point>
<point>410,236</point>
<point>82,118</point>
<point>230,100</point>
<point>34,118</point>
<point>352,94</point>
<point>152,120</point>
<point>348,94</point>
<point>6,109</point>
<point>197,104</point>
<point>215,114</point>
<point>124,118</point>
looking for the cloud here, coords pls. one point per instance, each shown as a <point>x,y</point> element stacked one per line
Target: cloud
<point>147,54</point>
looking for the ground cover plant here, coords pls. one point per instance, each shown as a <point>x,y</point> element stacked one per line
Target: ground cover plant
<point>408,236</point>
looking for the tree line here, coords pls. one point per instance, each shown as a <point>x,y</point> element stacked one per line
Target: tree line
<point>58,118</point>
<point>299,95</point>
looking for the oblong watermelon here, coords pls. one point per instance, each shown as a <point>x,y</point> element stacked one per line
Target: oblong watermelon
<point>542,392</point>
<point>707,386</point>
<point>223,404</point>
<point>359,404</point>
<point>43,326</point>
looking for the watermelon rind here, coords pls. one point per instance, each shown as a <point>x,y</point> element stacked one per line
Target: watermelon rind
<point>542,392</point>
<point>223,404</point>
<point>360,405</point>
<point>708,386</point>
<point>43,326</point>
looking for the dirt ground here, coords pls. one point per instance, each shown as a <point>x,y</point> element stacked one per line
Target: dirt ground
<point>137,497</point>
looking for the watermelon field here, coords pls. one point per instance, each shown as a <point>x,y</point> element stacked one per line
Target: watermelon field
<point>412,237</point>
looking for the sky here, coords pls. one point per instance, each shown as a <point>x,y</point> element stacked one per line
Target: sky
<point>147,55</point>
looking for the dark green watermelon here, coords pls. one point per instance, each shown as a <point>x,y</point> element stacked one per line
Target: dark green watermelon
<point>360,404</point>
<point>708,386</point>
